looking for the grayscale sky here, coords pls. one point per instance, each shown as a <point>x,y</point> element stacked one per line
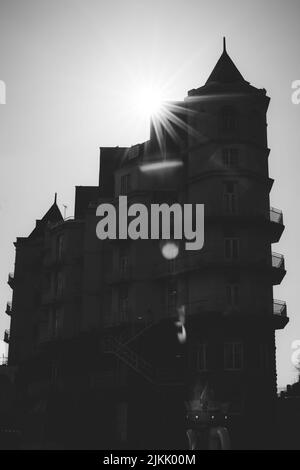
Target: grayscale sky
<point>73,70</point>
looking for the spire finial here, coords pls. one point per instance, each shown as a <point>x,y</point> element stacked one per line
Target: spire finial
<point>55,198</point>
<point>224,44</point>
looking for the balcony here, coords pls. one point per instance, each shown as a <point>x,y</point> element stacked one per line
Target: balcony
<point>8,310</point>
<point>3,361</point>
<point>280,314</point>
<point>278,268</point>
<point>277,261</point>
<point>6,336</point>
<point>272,220</point>
<point>277,226</point>
<point>215,260</point>
<point>178,265</point>
<point>276,216</point>
<point>11,280</point>
<point>279,308</point>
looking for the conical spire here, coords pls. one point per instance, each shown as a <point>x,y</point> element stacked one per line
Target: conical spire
<point>224,44</point>
<point>52,215</point>
<point>225,71</point>
<point>225,78</point>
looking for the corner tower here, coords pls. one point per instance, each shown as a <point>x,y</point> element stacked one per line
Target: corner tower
<point>233,316</point>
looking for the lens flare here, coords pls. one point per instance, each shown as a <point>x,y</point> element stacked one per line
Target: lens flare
<point>170,250</point>
<point>160,166</point>
<point>181,335</point>
<point>148,100</point>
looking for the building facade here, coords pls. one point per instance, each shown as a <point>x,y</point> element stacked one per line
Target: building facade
<point>95,323</point>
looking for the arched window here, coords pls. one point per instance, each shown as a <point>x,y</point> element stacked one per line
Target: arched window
<point>228,119</point>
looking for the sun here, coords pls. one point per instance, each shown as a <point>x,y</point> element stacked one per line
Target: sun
<point>148,101</point>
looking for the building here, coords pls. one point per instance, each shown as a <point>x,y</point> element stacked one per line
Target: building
<point>94,322</point>
<point>288,417</point>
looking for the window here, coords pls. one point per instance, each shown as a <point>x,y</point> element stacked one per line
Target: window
<point>231,248</point>
<point>232,293</point>
<point>230,157</point>
<point>125,184</point>
<point>54,372</point>
<point>56,319</point>
<point>233,356</point>
<point>201,357</point>
<point>58,322</point>
<point>59,283</point>
<point>228,119</point>
<point>59,246</point>
<point>124,261</point>
<point>172,265</point>
<point>171,297</point>
<point>123,303</point>
<point>230,197</point>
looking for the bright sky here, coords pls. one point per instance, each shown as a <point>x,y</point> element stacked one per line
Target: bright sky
<point>73,70</point>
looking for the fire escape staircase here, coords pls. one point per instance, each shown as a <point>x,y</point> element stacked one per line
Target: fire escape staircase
<point>119,347</point>
<point>129,357</point>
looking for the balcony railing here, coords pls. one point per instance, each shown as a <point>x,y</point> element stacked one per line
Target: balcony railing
<point>6,336</point>
<point>3,361</point>
<point>10,280</point>
<point>279,308</point>
<point>8,308</point>
<point>205,260</point>
<point>276,215</point>
<point>278,261</point>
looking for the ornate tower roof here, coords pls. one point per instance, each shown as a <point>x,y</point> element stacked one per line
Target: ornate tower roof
<point>225,78</point>
<point>225,70</point>
<point>52,215</point>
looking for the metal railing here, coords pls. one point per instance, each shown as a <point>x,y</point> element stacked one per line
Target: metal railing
<point>278,261</point>
<point>6,336</point>
<point>190,262</point>
<point>279,308</point>
<point>3,361</point>
<point>11,278</point>
<point>8,308</point>
<point>276,215</point>
<point>134,331</point>
<point>130,357</point>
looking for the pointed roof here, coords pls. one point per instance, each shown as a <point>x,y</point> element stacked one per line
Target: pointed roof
<point>225,78</point>
<point>225,70</point>
<point>52,215</point>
